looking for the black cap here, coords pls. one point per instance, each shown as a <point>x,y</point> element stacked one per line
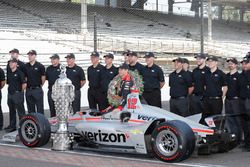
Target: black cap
<point>109,55</point>
<point>233,60</point>
<point>185,60</point>
<point>95,54</point>
<point>201,55</point>
<point>124,66</point>
<point>14,51</point>
<point>132,54</point>
<point>149,54</point>
<point>246,60</point>
<point>248,55</point>
<point>55,56</point>
<point>70,56</point>
<point>126,52</point>
<point>213,58</point>
<point>33,52</point>
<point>179,59</point>
<point>13,60</point>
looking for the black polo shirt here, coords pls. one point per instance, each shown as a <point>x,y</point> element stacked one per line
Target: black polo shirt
<point>95,76</point>
<point>198,77</point>
<point>107,76</point>
<point>245,84</point>
<point>76,75</point>
<point>139,67</point>
<point>152,77</point>
<point>15,80</point>
<point>34,73</point>
<point>179,84</point>
<point>214,83</point>
<point>233,85</point>
<point>20,66</point>
<point>52,74</point>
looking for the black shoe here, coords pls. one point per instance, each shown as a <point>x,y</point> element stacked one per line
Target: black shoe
<point>246,149</point>
<point>8,127</point>
<point>10,130</point>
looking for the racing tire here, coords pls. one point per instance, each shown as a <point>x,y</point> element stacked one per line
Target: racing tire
<point>231,128</point>
<point>172,141</point>
<point>34,130</point>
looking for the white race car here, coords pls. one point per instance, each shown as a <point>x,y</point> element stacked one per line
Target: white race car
<point>141,129</point>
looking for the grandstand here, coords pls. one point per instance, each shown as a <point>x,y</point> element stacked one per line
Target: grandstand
<point>54,27</point>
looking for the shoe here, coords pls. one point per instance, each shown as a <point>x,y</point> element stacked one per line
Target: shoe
<point>10,130</point>
<point>8,127</point>
<point>246,149</point>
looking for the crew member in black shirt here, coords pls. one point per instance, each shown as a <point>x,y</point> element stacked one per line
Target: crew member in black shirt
<point>95,93</point>
<point>35,73</point>
<point>52,74</point>
<point>198,76</point>
<point>76,74</point>
<point>2,83</point>
<point>153,81</point>
<point>109,72</point>
<point>125,55</point>
<point>215,89</point>
<point>180,83</point>
<point>17,84</point>
<point>245,100</point>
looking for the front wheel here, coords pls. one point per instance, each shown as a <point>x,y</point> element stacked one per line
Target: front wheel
<point>173,141</point>
<point>34,130</point>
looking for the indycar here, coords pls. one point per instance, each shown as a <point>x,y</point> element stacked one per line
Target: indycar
<point>138,128</point>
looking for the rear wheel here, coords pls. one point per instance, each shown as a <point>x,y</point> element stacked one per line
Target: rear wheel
<point>34,130</point>
<point>173,141</point>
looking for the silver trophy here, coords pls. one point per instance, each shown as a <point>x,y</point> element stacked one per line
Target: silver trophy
<point>63,96</point>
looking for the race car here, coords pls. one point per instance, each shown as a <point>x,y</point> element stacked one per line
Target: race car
<point>138,128</point>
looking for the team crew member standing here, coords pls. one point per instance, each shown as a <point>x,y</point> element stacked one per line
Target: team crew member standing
<point>198,77</point>
<point>2,83</point>
<point>153,81</point>
<point>110,71</point>
<point>95,94</point>
<point>215,89</point>
<point>17,84</point>
<point>35,73</point>
<point>180,83</point>
<point>125,54</point>
<point>52,74</point>
<point>232,95</point>
<point>245,100</point>
<point>76,74</point>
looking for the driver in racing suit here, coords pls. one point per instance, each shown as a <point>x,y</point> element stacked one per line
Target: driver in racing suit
<point>124,89</point>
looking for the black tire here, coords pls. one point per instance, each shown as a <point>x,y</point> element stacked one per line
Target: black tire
<point>180,138</point>
<point>34,130</point>
<point>231,127</point>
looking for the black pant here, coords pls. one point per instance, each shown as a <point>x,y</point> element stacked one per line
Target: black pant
<point>212,107</point>
<point>16,103</point>
<point>245,121</point>
<point>179,106</point>
<point>196,103</point>
<point>96,98</point>
<point>34,99</point>
<point>1,112</point>
<point>51,104</point>
<point>153,98</point>
<point>76,104</point>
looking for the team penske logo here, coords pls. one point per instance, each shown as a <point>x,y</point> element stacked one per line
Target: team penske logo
<point>105,137</point>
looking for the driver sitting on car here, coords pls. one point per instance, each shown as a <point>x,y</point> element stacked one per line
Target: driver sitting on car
<point>124,88</point>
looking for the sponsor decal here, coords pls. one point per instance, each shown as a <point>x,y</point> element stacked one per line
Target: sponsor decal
<point>146,118</point>
<point>136,131</point>
<point>106,137</point>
